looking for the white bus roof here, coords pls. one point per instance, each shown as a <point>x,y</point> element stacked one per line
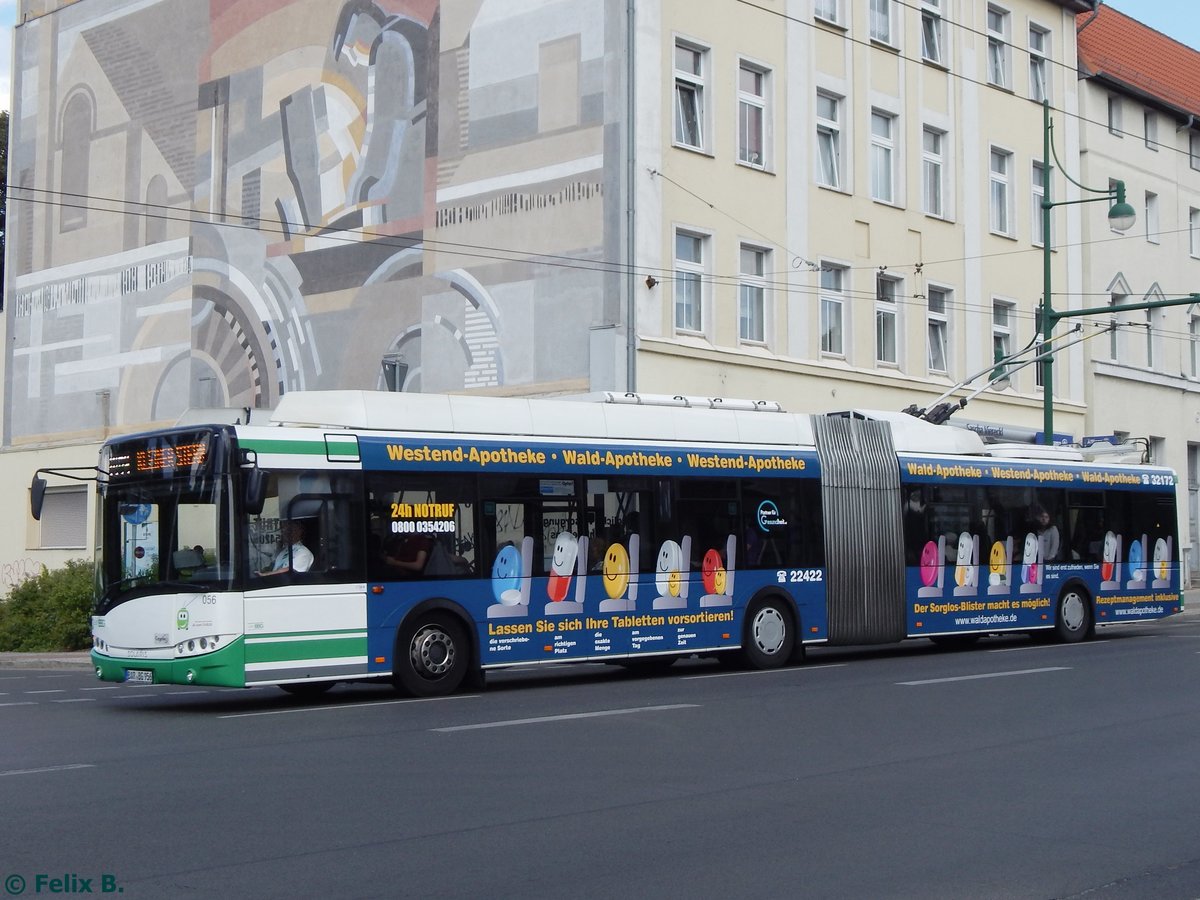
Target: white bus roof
<point>606,416</point>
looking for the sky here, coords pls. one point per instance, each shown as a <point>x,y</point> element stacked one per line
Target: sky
<point>1179,19</point>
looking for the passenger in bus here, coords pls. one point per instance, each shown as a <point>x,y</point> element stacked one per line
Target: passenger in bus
<point>293,556</point>
<point>407,554</point>
<point>1047,533</point>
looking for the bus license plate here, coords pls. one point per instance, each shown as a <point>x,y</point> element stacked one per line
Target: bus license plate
<point>139,676</point>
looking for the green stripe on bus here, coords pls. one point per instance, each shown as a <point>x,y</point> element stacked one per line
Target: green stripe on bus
<point>278,651</point>
<point>309,448</point>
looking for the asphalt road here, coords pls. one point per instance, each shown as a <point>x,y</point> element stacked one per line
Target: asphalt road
<point>1015,769</point>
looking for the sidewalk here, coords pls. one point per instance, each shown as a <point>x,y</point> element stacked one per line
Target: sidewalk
<point>81,661</point>
<point>76,660</point>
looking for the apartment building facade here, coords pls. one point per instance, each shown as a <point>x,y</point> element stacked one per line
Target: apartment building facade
<point>1139,99</point>
<point>829,203</point>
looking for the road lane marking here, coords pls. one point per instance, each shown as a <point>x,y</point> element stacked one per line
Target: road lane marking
<point>113,687</point>
<point>567,716</point>
<point>59,691</point>
<point>21,703</point>
<point>47,769</point>
<point>1050,646</point>
<point>76,700</point>
<point>189,693</point>
<point>305,709</point>
<point>132,696</point>
<point>987,675</point>
<point>764,671</point>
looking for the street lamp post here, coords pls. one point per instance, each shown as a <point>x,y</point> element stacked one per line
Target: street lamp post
<point>1121,217</point>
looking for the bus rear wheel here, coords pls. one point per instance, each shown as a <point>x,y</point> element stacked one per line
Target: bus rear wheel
<point>432,656</point>
<point>768,636</point>
<point>1073,618</point>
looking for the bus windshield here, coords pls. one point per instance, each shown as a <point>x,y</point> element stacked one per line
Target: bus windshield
<point>164,533</point>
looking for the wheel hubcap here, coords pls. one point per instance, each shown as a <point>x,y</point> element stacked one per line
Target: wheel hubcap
<point>770,630</point>
<point>1073,613</point>
<point>432,652</point>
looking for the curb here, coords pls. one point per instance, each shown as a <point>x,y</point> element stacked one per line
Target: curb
<point>81,661</point>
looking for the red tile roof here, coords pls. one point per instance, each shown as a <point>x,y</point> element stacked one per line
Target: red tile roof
<point>1125,51</point>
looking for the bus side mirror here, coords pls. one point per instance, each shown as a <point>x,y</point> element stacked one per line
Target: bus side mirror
<point>256,491</point>
<point>37,496</point>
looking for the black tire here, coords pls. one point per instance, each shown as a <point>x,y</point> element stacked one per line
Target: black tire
<point>307,688</point>
<point>768,635</point>
<point>1073,615</point>
<point>432,656</point>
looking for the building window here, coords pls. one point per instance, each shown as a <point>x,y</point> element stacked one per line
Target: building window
<point>1001,332</point>
<point>1039,372</point>
<point>829,140</point>
<point>931,31</point>
<point>881,21</point>
<point>75,178</point>
<point>690,260</point>
<point>1039,67</point>
<point>827,10</point>
<point>1150,338</point>
<point>690,63</point>
<point>886,291</point>
<point>999,193</point>
<point>1114,115</point>
<point>1114,321</point>
<point>1194,232</point>
<point>833,290</point>
<point>1194,333</point>
<point>752,294</point>
<point>938,318</point>
<point>64,519</point>
<point>933,188</point>
<point>883,157</point>
<point>1037,191</point>
<point>1151,217</point>
<point>1194,150</point>
<point>752,115</point>
<point>1150,124</point>
<point>998,22</point>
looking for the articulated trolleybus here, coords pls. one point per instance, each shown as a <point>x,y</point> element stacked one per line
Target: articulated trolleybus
<point>426,539</point>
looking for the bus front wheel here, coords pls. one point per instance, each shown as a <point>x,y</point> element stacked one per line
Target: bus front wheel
<point>432,656</point>
<point>769,635</point>
<point>1073,618</point>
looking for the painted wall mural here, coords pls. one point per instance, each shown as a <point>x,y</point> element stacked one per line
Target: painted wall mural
<point>213,203</point>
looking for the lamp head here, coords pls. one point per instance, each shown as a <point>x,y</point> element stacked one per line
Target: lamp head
<point>1121,215</point>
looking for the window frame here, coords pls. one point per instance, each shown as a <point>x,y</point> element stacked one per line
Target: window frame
<point>1194,232</point>
<point>1037,193</point>
<point>1150,129</point>
<point>932,25</point>
<point>1115,115</point>
<point>696,83</point>
<point>1039,63</point>
<point>1152,226</point>
<point>828,11</point>
<point>880,11</point>
<point>829,131</point>
<point>1002,332</point>
<point>937,322</point>
<point>761,102</point>
<point>887,306</point>
<point>883,154</point>
<point>933,172</point>
<point>999,52</point>
<point>833,299</point>
<point>688,271</point>
<point>748,284</point>
<point>1003,182</point>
